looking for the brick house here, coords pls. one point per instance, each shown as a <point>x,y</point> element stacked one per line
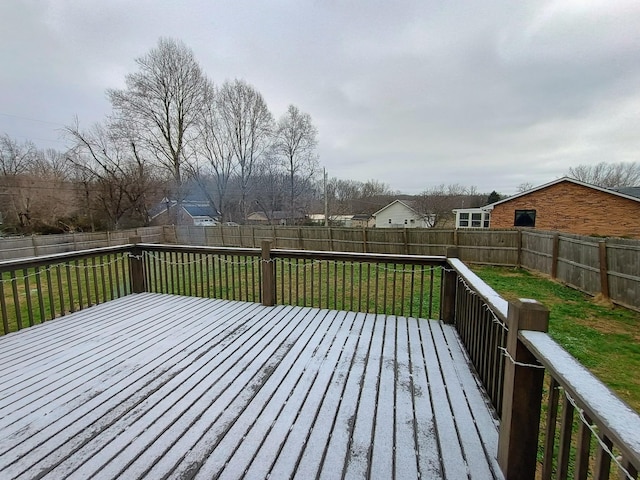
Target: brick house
<point>571,206</point>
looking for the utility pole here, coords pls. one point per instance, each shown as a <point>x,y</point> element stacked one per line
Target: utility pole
<point>326,200</point>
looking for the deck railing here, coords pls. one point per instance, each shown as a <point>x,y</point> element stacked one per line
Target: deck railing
<point>586,429</point>
<point>36,289</point>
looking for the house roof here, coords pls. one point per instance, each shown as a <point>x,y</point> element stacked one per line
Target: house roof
<point>633,191</point>
<point>200,210</point>
<point>195,208</point>
<point>618,193</point>
<point>361,216</point>
<point>402,203</point>
<point>275,215</point>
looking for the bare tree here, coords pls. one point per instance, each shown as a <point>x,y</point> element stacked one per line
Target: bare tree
<point>50,163</point>
<point>375,188</point>
<point>15,158</point>
<point>121,177</point>
<point>295,145</point>
<point>249,125</point>
<point>608,175</point>
<point>33,188</point>
<point>216,147</point>
<point>439,201</point>
<point>524,187</point>
<point>161,104</point>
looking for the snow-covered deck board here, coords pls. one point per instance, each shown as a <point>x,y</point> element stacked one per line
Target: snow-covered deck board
<point>159,386</point>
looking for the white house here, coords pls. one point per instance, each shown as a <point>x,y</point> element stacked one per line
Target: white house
<point>399,214</point>
<point>472,218</point>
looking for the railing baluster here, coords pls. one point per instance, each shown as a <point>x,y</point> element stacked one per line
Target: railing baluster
<point>76,270</point>
<point>117,276</point>
<point>246,265</point>
<point>207,270</point>
<point>312,275</point>
<point>550,429</point>
<point>103,278</point>
<point>110,276</point>
<point>296,280</point>
<point>564,448</point>
<point>38,276</point>
<point>227,288</point>
<point>94,274</point>
<point>171,272</point>
<point>16,299</point>
<point>602,467</point>
<point>52,305</point>
<point>330,298</point>
<point>85,270</point>
<point>27,293</point>
<point>72,301</point>
<point>377,269</point>
<point>3,306</point>
<point>631,470</point>
<point>220,272</point>
<point>582,450</point>
<point>63,310</point>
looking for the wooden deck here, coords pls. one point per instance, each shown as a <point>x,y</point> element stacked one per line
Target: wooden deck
<point>159,386</point>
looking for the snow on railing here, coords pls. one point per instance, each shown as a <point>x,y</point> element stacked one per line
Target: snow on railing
<point>604,420</point>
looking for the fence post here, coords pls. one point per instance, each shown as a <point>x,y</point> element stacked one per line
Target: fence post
<point>268,276</point>
<point>365,248</point>
<point>604,277</point>
<point>555,251</point>
<point>136,266</point>
<point>405,238</point>
<point>449,283</point>
<point>34,243</point>
<point>522,393</point>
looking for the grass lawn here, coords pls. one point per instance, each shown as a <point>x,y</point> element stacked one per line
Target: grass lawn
<point>604,338</point>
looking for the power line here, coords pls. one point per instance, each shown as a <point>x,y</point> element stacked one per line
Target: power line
<point>31,119</point>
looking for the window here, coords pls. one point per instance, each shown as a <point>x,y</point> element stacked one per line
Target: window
<point>525,218</point>
<point>389,220</point>
<point>464,219</point>
<point>405,221</point>
<point>485,222</point>
<point>476,220</point>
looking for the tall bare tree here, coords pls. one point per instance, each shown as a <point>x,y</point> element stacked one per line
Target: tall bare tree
<point>249,125</point>
<point>215,146</point>
<point>162,104</point>
<point>608,175</point>
<point>295,143</point>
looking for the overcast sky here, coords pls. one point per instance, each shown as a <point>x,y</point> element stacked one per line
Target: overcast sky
<point>416,93</point>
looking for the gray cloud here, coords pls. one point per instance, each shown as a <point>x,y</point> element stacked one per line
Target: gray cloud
<point>413,93</point>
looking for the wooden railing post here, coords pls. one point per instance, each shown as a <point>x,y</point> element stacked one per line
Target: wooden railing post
<point>136,266</point>
<point>449,282</point>
<point>522,393</point>
<point>268,276</point>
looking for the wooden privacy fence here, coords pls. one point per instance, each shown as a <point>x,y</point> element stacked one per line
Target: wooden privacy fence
<point>496,247</point>
<point>37,245</point>
<point>609,267</point>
